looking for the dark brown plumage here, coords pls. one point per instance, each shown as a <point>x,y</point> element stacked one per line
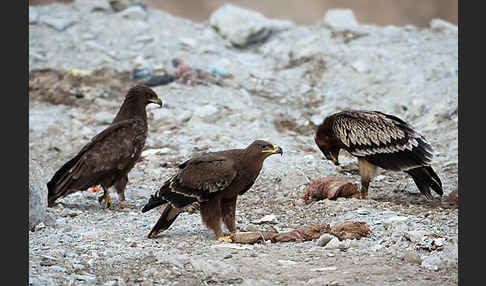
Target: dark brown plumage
<point>214,180</point>
<point>110,155</point>
<point>379,140</point>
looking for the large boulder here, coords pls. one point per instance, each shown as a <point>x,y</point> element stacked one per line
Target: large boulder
<point>244,27</point>
<point>37,195</point>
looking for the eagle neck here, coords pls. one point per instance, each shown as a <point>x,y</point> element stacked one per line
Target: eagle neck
<point>132,107</point>
<point>254,164</point>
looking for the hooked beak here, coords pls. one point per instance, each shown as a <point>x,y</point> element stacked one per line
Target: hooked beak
<point>330,156</point>
<point>276,150</point>
<point>334,159</point>
<point>157,101</point>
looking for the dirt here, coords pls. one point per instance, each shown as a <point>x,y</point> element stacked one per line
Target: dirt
<point>413,241</point>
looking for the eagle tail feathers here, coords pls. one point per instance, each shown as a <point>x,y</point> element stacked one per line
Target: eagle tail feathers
<point>165,221</point>
<point>426,178</point>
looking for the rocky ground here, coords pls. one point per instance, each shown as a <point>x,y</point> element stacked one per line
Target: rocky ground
<point>271,80</point>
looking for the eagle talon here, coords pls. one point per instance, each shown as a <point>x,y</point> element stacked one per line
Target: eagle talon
<point>108,203</point>
<point>124,205</point>
<point>225,238</point>
<point>364,194</point>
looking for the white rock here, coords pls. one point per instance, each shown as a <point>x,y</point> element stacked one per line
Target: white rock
<point>324,239</point>
<point>441,25</point>
<point>439,242</point>
<point>60,24</point>
<point>363,211</point>
<point>135,12</point>
<point>334,243</point>
<point>271,219</point>
<point>415,235</point>
<point>340,19</point>
<point>40,226</point>
<point>188,42</point>
<point>242,27</point>
<point>412,257</point>
<point>316,119</point>
<point>395,222</point>
<point>151,152</point>
<point>360,66</point>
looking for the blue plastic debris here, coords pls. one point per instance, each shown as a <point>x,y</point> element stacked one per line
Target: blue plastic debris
<point>141,73</point>
<point>217,71</point>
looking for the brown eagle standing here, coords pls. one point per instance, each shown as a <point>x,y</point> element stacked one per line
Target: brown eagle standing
<point>379,139</point>
<point>214,180</point>
<point>110,155</point>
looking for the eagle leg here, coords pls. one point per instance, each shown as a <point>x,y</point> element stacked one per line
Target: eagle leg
<point>107,198</point>
<point>364,189</point>
<point>228,209</point>
<point>367,171</point>
<point>211,215</point>
<point>120,189</point>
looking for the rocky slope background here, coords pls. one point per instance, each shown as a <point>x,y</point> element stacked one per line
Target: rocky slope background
<point>261,79</point>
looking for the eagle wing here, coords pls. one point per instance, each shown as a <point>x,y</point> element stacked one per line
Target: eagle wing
<point>384,140</point>
<point>115,148</point>
<point>199,179</point>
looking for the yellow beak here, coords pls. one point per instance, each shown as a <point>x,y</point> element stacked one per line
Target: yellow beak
<point>156,101</point>
<point>334,160</point>
<point>275,150</point>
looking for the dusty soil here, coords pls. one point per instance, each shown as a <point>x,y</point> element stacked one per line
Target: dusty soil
<point>278,91</point>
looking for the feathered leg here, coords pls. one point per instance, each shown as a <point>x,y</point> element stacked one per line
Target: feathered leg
<point>367,171</point>
<point>228,209</point>
<point>211,216</point>
<point>120,189</point>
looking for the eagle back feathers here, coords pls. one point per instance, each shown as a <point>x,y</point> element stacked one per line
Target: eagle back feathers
<point>372,132</point>
<point>117,147</point>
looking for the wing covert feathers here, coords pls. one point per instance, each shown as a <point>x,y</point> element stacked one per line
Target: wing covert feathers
<point>384,140</point>
<point>197,180</point>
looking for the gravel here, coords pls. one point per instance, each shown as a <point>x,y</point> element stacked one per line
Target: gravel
<point>277,91</point>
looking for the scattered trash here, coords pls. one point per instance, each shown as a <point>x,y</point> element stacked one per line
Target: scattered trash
<point>185,74</point>
<point>330,188</point>
<point>141,73</point>
<point>95,189</point>
<point>160,80</point>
